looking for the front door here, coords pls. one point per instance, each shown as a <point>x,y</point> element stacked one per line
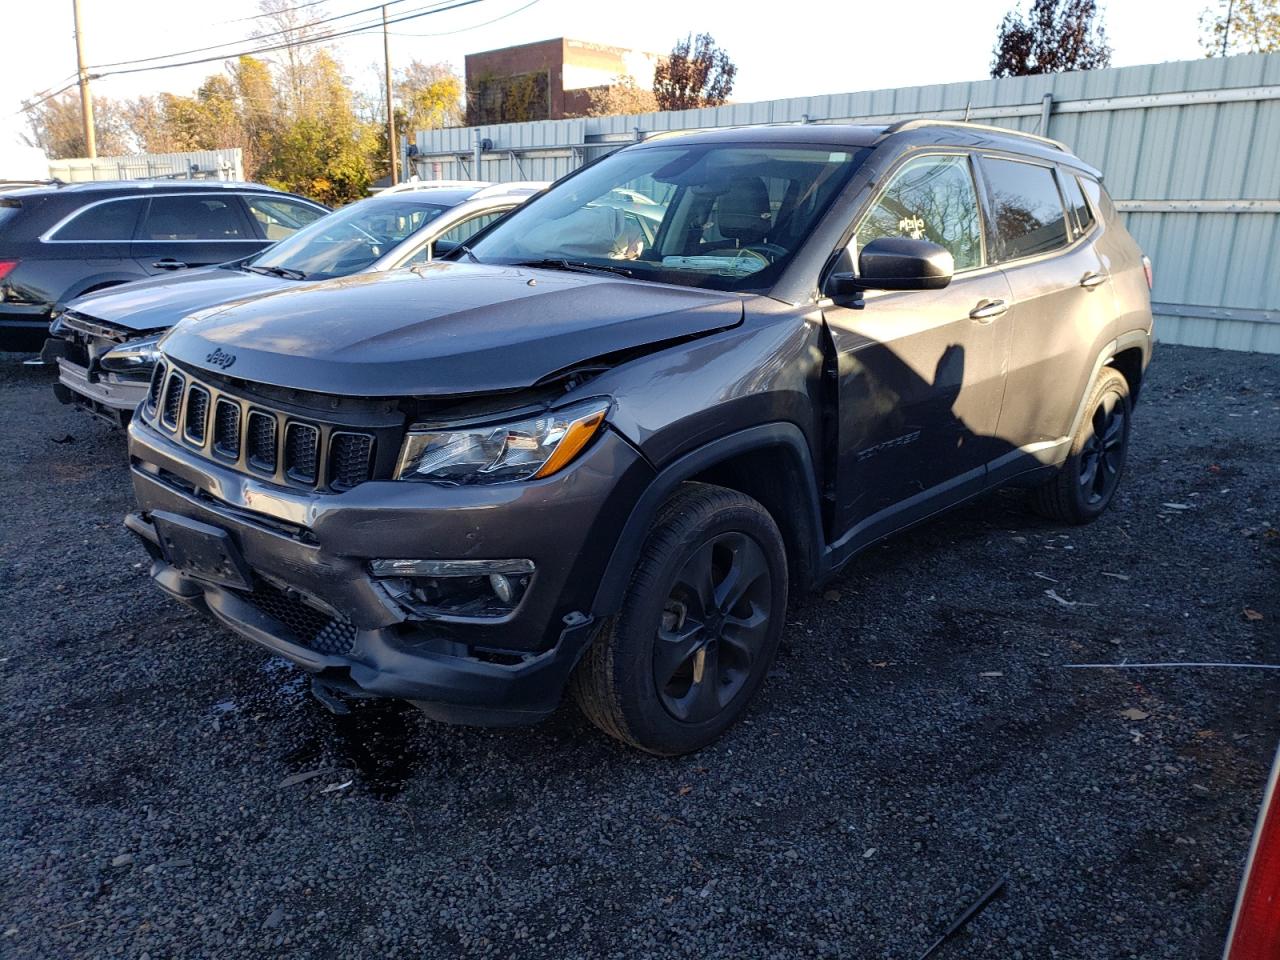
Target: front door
<point>920,373</point>
<point>193,230</point>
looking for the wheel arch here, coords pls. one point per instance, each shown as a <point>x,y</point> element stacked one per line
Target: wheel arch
<point>770,463</point>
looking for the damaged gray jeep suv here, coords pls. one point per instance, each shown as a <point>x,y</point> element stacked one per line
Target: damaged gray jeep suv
<point>600,448</point>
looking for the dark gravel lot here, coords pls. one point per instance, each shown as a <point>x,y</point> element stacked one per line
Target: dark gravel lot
<point>918,741</point>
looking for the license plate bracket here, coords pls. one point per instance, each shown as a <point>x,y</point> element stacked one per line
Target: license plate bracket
<point>201,550</point>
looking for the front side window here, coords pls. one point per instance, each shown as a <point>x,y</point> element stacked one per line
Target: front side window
<point>113,220</point>
<point>725,216</point>
<point>279,217</point>
<point>350,239</point>
<point>930,198</point>
<point>192,218</point>
<point>1029,217</point>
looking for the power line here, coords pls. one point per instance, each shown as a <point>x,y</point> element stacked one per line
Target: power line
<point>232,43</point>
<point>32,104</point>
<point>262,16</point>
<point>474,26</point>
<point>322,38</point>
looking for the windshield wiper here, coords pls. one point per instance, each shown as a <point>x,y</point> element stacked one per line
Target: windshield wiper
<point>575,266</point>
<point>277,272</point>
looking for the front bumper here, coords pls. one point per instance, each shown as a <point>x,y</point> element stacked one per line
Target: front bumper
<point>104,394</point>
<point>313,550</point>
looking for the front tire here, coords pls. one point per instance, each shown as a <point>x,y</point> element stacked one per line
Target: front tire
<point>698,629</point>
<point>1086,483</point>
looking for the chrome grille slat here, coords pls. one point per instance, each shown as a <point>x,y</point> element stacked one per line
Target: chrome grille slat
<point>260,441</point>
<point>226,429</point>
<point>300,451</point>
<point>197,419</point>
<point>172,400</point>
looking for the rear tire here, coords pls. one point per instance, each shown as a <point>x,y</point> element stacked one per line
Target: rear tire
<point>698,629</point>
<point>1085,485</point>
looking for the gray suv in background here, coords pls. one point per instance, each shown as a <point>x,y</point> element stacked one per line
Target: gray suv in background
<point>585,455</point>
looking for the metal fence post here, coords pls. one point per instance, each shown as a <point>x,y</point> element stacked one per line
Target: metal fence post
<point>1046,110</point>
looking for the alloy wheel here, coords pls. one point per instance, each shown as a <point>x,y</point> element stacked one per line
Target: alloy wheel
<point>1102,456</point>
<point>714,627</point>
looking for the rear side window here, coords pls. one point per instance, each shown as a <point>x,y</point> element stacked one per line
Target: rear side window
<point>1029,217</point>
<point>930,198</point>
<point>112,220</point>
<point>1081,212</point>
<point>193,218</point>
<point>9,209</point>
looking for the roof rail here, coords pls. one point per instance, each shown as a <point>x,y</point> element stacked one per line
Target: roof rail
<point>917,123</point>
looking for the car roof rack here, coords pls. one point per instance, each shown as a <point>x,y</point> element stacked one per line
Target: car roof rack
<point>903,125</point>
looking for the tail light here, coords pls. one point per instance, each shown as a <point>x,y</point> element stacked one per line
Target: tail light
<point>6,267</point>
<point>1146,269</point>
<point>1255,932</point>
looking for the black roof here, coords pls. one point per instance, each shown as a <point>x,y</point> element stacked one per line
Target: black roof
<point>100,187</point>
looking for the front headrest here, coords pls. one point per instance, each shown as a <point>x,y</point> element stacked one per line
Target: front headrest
<point>743,212</point>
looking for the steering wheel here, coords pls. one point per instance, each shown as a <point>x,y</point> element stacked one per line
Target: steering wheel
<point>770,251</point>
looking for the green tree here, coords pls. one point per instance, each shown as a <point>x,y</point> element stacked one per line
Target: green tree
<point>1240,26</point>
<point>696,74</point>
<point>1055,36</point>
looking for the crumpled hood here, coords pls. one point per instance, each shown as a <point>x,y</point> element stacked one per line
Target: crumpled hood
<point>441,329</point>
<point>160,302</point>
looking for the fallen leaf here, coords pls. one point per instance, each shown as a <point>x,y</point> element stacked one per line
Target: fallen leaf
<point>1133,713</point>
<point>335,787</point>
<point>991,673</point>
<point>684,791</point>
<point>878,664</point>
<point>1251,614</point>
<point>871,852</point>
<point>298,778</point>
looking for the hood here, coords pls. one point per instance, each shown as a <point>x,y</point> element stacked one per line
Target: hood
<point>442,329</point>
<point>160,302</point>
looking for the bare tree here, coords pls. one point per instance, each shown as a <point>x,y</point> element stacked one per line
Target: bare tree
<point>1240,26</point>
<point>292,26</point>
<point>1057,35</point>
<point>696,74</point>
<point>621,97</point>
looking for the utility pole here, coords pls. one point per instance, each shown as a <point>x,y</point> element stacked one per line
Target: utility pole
<point>391,115</point>
<point>86,96</point>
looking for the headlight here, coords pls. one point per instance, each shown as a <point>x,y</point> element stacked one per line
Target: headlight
<point>495,453</point>
<point>136,356</point>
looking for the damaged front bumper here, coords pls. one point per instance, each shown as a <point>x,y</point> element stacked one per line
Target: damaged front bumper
<point>295,572</point>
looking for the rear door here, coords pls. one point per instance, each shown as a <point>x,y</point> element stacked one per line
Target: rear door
<point>193,230</point>
<point>1062,307</point>
<point>920,373</point>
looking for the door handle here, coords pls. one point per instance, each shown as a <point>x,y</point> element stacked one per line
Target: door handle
<point>1091,280</point>
<point>168,263</point>
<point>988,310</point>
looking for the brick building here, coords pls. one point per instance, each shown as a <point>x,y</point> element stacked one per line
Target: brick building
<point>547,80</point>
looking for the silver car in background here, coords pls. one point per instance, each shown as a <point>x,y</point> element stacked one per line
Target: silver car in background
<point>104,344</point>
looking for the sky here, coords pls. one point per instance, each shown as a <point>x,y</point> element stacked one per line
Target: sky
<point>787,49</point>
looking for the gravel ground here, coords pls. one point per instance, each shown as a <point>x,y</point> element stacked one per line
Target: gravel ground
<point>918,740</point>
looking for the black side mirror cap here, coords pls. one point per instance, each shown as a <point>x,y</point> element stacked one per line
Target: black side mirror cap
<point>896,263</point>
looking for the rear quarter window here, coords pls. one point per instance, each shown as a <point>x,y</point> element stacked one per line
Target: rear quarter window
<point>1028,212</point>
<point>9,210</point>
<point>1100,198</point>
<point>1081,212</point>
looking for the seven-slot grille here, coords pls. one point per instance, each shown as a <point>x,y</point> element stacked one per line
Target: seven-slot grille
<point>260,440</point>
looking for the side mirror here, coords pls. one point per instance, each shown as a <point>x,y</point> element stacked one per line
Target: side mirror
<point>897,263</point>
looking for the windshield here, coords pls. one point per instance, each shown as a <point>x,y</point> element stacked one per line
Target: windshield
<point>348,240</point>
<point>724,216</point>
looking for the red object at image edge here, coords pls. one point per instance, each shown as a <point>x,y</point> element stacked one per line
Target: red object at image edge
<point>1255,931</point>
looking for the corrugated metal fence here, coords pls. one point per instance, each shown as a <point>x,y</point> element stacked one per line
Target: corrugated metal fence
<point>1190,150</point>
<point>192,165</point>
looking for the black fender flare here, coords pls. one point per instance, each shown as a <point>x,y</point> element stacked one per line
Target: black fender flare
<point>1126,341</point>
<point>787,437</point>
